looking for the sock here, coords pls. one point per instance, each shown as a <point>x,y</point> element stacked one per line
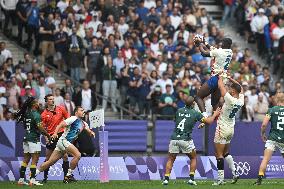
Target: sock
<point>260,174</point>
<point>23,170</point>
<point>65,167</point>
<point>191,175</point>
<point>33,171</point>
<point>167,176</point>
<point>220,166</point>
<point>45,176</point>
<point>69,172</point>
<point>229,159</point>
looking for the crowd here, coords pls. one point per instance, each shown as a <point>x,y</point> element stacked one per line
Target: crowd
<point>139,54</point>
<point>262,23</point>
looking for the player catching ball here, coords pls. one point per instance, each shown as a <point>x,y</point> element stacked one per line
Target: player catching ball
<point>181,140</point>
<point>221,59</point>
<point>275,116</point>
<point>29,114</point>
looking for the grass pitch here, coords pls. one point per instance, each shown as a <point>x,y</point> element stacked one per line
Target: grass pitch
<point>174,184</point>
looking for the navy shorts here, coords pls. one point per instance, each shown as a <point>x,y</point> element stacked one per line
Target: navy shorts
<point>213,82</point>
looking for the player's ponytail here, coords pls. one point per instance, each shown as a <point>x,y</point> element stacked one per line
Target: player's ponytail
<point>19,115</point>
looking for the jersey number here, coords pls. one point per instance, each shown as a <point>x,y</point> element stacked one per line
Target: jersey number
<point>181,125</point>
<point>28,124</point>
<point>227,62</point>
<point>234,111</point>
<point>280,123</point>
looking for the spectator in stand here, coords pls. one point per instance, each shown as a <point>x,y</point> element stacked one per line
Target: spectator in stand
<point>154,97</point>
<point>19,75</point>
<point>60,42</point>
<point>5,52</point>
<point>46,31</point>
<point>27,93</point>
<point>68,104</point>
<point>165,81</point>
<point>227,11</point>
<point>91,61</point>
<point>33,26</point>
<point>257,27</point>
<point>124,83</point>
<point>75,56</point>
<point>9,8</point>
<point>58,99</point>
<point>21,10</point>
<point>13,92</point>
<point>167,103</point>
<point>247,111</point>
<point>26,64</point>
<point>49,80</point>
<point>86,98</point>
<point>180,99</point>
<point>260,108</point>
<point>42,90</point>
<point>68,88</point>
<point>133,91</point>
<point>144,85</point>
<point>109,84</point>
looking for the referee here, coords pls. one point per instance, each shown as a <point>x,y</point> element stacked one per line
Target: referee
<point>51,117</point>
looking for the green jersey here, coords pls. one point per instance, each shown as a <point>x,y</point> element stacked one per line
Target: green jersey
<point>185,120</point>
<point>276,115</point>
<point>32,120</point>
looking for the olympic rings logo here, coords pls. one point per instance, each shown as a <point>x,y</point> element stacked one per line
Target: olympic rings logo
<point>242,168</point>
<point>55,170</point>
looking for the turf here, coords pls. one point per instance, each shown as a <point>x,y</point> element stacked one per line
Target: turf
<point>174,184</point>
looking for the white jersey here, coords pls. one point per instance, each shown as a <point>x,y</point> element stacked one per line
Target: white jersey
<point>231,106</point>
<point>221,61</point>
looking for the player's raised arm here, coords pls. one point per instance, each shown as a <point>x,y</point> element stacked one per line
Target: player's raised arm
<point>210,119</point>
<point>204,50</point>
<point>222,87</point>
<point>234,81</point>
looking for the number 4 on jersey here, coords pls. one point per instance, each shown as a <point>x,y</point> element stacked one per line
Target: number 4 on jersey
<point>181,124</point>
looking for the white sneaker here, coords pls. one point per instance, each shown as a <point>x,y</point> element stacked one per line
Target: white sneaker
<point>219,182</point>
<point>34,182</point>
<point>191,182</point>
<point>165,182</point>
<point>22,182</point>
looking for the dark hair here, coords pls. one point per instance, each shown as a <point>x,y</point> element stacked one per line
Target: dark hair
<point>19,115</point>
<point>46,97</point>
<point>236,87</point>
<point>226,43</point>
<point>77,108</point>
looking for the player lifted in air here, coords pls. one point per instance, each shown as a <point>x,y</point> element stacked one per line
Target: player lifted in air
<point>221,59</point>
<point>234,100</point>
<point>275,116</point>
<point>73,125</point>
<point>181,140</point>
<point>29,114</point>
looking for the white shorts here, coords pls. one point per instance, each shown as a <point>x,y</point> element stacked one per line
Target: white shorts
<point>62,144</point>
<point>273,145</point>
<point>31,147</point>
<point>223,134</point>
<point>177,146</point>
